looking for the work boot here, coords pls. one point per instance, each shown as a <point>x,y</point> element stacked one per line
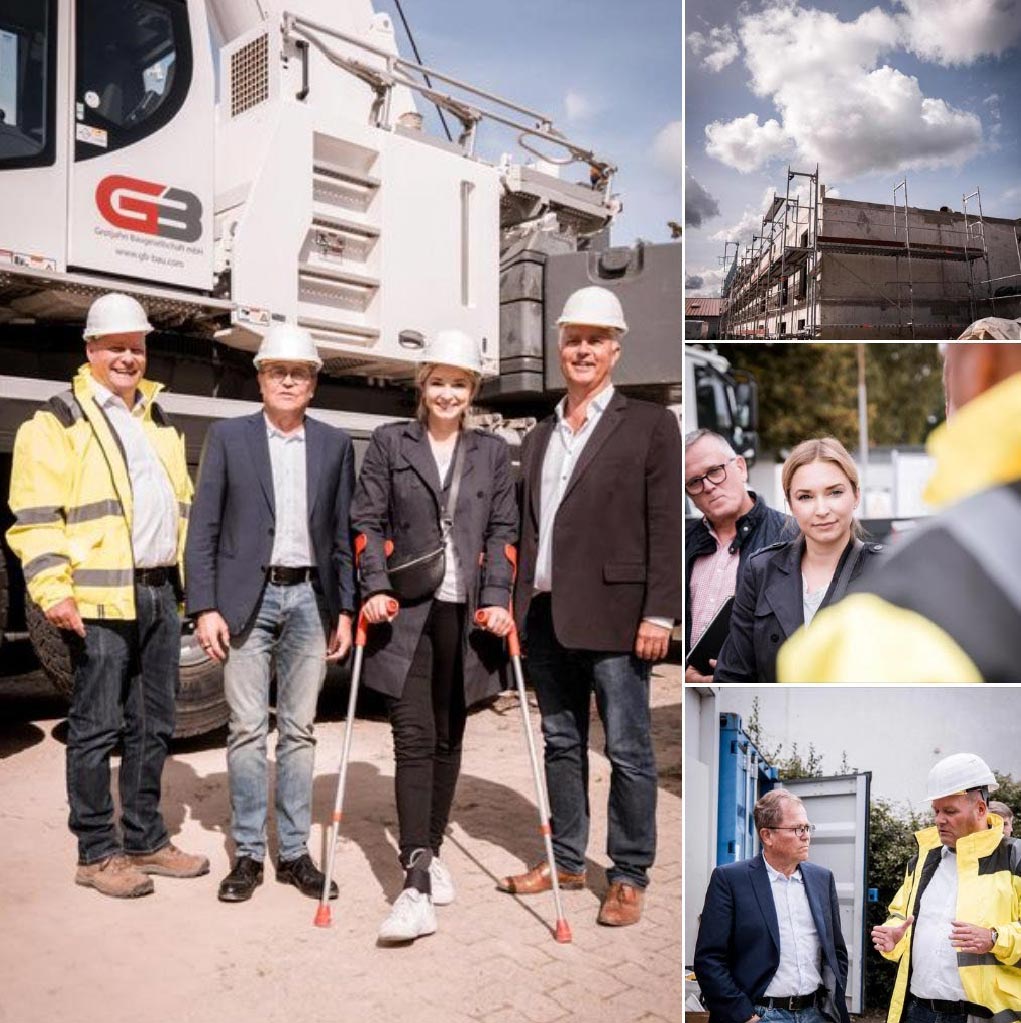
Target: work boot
<point>412,916</point>
<point>305,876</point>
<point>115,876</point>
<point>442,883</point>
<point>621,906</point>
<point>538,880</point>
<point>170,862</point>
<point>240,884</point>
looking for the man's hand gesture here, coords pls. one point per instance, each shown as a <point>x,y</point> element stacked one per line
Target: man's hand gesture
<point>885,938</point>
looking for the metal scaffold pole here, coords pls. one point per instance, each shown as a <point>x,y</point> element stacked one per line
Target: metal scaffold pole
<point>907,245</point>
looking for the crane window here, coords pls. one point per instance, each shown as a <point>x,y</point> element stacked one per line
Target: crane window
<point>133,70</point>
<point>27,83</point>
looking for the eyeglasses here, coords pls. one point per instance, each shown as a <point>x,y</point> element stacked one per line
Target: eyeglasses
<point>278,374</point>
<point>716,475</point>
<point>801,830</point>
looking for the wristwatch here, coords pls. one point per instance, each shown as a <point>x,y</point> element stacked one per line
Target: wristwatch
<point>994,934</point>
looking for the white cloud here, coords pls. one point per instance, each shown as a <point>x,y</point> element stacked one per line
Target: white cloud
<point>578,107</point>
<point>741,231</point>
<point>668,150</point>
<point>699,204</point>
<point>744,144</point>
<point>959,32</point>
<point>718,49</point>
<point>710,281</point>
<point>838,105</point>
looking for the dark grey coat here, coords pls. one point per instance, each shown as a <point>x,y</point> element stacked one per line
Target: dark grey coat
<point>769,608</point>
<point>398,498</point>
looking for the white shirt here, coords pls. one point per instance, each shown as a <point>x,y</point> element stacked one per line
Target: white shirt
<point>800,948</point>
<point>452,588</point>
<point>292,545</point>
<point>811,602</point>
<point>934,972</point>
<point>562,454</point>
<point>155,518</point>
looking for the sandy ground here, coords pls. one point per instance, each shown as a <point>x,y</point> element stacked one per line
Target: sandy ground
<point>69,954</point>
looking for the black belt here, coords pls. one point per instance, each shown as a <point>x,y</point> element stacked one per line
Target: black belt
<point>791,1003</point>
<point>159,576</point>
<point>282,575</point>
<point>953,1008</point>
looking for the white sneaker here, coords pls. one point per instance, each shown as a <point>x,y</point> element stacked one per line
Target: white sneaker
<point>411,917</point>
<point>442,883</point>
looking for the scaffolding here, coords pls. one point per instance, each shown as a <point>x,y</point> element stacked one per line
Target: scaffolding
<point>796,234</point>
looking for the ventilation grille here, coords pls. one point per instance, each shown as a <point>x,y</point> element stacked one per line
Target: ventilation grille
<point>249,75</point>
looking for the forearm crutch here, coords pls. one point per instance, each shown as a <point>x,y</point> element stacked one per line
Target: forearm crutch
<point>323,915</point>
<point>562,932</point>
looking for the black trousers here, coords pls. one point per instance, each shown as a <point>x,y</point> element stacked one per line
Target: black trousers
<point>428,721</point>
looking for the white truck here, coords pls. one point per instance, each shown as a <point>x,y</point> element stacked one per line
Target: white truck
<point>231,163</point>
<point>719,398</point>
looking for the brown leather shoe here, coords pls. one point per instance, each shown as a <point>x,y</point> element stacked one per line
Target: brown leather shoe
<point>115,876</point>
<point>622,905</point>
<point>170,862</point>
<point>538,880</point>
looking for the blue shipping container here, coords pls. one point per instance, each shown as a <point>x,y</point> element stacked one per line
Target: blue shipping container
<point>745,776</point>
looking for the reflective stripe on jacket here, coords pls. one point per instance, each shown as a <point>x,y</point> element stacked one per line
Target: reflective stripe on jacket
<point>988,895</point>
<point>72,501</point>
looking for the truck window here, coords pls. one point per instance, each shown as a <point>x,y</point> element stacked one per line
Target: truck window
<point>133,69</point>
<point>27,82</point>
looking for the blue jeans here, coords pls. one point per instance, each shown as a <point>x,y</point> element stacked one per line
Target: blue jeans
<point>564,681</point>
<point>125,680</point>
<point>918,1013</point>
<point>289,633</point>
<point>810,1015</point>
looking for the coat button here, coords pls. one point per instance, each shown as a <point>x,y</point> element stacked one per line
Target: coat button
<point>775,637</point>
<point>270,531</point>
<point>480,495</point>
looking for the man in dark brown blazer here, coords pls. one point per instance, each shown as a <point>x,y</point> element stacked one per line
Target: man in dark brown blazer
<point>598,591</point>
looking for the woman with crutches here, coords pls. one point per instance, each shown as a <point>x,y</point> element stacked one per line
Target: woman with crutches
<point>443,495</point>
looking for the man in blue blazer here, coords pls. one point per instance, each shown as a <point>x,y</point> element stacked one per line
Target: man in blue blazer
<point>270,582</point>
<point>769,944</point>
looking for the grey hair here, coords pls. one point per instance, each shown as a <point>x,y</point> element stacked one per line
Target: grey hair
<point>769,809</point>
<point>692,438</point>
<point>1001,809</point>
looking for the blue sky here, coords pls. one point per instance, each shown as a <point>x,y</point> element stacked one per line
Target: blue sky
<point>608,73</point>
<point>877,91</point>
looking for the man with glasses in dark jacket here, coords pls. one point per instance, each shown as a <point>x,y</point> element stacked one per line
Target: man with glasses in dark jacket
<point>735,523</point>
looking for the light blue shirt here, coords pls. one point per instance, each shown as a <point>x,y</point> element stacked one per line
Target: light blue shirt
<point>800,948</point>
<point>562,454</point>
<point>292,545</point>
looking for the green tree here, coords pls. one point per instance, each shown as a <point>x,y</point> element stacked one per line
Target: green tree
<point>811,390</point>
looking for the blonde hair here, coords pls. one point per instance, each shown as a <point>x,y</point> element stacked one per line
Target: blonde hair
<point>823,449</point>
<point>422,375</point>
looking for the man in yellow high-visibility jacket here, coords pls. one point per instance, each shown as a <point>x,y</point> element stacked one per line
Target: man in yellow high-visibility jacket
<point>955,924</point>
<point>100,494</point>
<point>945,605</point>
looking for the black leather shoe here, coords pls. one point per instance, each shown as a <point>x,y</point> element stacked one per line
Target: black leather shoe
<point>241,882</point>
<point>305,876</point>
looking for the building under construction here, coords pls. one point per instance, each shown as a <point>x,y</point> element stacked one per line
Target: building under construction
<point>834,268</point>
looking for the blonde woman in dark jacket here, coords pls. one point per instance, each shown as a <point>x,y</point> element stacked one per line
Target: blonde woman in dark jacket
<point>427,486</point>
<point>783,586</point>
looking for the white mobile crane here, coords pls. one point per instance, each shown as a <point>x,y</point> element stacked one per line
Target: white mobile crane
<point>235,162</point>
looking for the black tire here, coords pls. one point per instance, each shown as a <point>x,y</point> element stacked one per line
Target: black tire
<point>201,705</point>
<point>4,596</point>
<point>51,646</point>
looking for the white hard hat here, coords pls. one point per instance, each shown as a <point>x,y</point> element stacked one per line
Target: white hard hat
<point>453,348</point>
<point>287,342</point>
<point>115,313</point>
<point>958,773</point>
<point>595,306</point>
